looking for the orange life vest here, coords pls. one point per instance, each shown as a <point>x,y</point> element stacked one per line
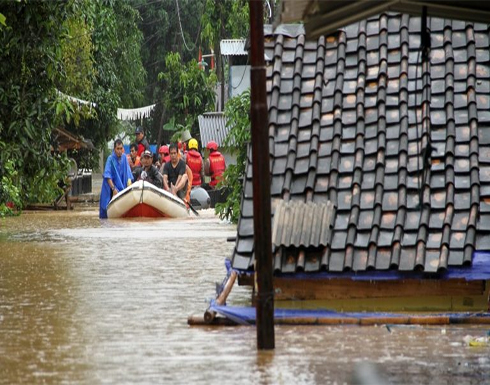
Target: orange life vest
<point>194,161</point>
<point>216,167</point>
<point>134,164</point>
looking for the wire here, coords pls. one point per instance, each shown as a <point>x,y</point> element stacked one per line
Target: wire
<point>243,75</point>
<point>270,9</point>
<point>199,29</point>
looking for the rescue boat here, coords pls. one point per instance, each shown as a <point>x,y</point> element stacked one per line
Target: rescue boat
<point>143,199</point>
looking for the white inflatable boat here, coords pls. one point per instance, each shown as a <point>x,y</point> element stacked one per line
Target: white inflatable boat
<point>143,199</point>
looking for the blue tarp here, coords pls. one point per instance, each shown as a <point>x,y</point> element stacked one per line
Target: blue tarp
<point>246,315</point>
<point>479,270</point>
<point>153,148</point>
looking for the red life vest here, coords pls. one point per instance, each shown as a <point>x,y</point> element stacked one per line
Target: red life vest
<point>194,161</point>
<point>142,146</point>
<point>216,167</point>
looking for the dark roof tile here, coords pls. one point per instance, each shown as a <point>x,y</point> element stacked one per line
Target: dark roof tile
<point>343,119</point>
<point>407,258</point>
<point>244,244</point>
<point>457,240</point>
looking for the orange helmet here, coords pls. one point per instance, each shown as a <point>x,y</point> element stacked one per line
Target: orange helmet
<point>212,145</point>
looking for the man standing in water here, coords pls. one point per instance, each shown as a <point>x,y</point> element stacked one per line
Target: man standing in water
<point>194,161</point>
<point>174,174</point>
<point>215,164</point>
<point>117,176</point>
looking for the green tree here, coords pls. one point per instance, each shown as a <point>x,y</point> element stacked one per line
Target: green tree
<point>237,113</point>
<point>166,29</point>
<point>224,19</point>
<point>189,92</point>
<point>167,26</point>
<point>88,49</point>
<point>182,26</point>
<point>30,58</point>
<point>114,72</point>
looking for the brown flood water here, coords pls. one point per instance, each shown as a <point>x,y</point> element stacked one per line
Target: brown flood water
<point>85,301</point>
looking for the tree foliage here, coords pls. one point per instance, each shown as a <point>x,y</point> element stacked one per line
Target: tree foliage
<point>189,92</point>
<point>237,113</point>
<point>84,48</point>
<point>161,26</point>
<point>118,73</point>
<point>114,53</point>
<point>183,29</point>
<point>30,57</point>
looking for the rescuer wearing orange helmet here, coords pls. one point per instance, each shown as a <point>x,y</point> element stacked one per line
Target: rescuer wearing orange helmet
<point>194,161</point>
<point>215,164</point>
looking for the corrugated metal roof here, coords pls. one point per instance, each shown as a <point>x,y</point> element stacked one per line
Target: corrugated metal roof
<point>212,126</point>
<point>302,224</point>
<point>233,47</point>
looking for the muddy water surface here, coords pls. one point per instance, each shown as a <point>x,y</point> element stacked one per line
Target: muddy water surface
<point>85,301</point>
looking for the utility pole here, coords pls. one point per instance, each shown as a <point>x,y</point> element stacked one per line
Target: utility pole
<point>261,181</point>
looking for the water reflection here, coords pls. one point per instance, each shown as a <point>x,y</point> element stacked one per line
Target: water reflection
<point>87,301</point>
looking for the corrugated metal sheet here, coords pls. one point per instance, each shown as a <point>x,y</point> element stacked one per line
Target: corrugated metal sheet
<point>302,224</point>
<point>233,47</point>
<point>212,126</point>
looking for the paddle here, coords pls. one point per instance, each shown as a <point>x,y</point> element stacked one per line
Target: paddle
<point>192,208</point>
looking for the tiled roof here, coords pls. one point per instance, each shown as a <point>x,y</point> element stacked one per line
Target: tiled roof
<point>343,118</point>
<point>212,126</point>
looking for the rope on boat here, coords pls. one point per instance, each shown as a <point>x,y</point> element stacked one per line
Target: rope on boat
<point>142,189</point>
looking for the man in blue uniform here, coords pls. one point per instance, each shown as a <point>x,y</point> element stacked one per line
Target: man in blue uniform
<point>117,176</point>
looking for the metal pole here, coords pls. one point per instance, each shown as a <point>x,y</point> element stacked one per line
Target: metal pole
<point>261,181</point>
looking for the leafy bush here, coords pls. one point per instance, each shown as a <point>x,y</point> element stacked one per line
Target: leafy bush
<point>237,113</point>
<point>9,193</point>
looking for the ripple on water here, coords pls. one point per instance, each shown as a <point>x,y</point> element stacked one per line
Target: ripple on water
<point>87,301</point>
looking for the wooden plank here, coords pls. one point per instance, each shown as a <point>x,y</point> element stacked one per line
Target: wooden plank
<point>319,289</point>
<point>400,304</point>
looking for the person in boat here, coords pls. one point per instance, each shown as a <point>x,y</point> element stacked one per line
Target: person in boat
<point>182,150</point>
<point>174,174</point>
<point>194,161</point>
<point>215,164</point>
<point>141,141</point>
<point>117,176</point>
<point>133,158</point>
<point>148,171</point>
<point>164,158</point>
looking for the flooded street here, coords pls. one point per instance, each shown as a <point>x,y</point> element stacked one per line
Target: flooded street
<point>85,301</point>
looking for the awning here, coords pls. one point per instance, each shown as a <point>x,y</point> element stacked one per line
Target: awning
<point>326,17</point>
<point>65,140</point>
<point>135,113</point>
